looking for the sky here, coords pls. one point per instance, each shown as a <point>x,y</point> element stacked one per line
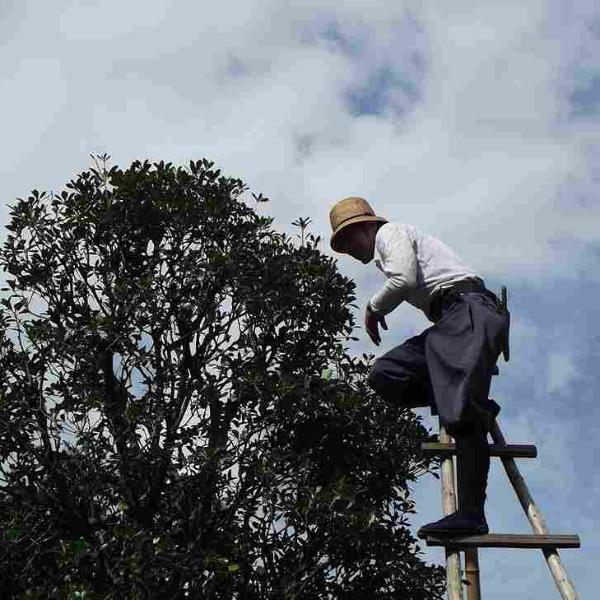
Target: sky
<point>476,122</point>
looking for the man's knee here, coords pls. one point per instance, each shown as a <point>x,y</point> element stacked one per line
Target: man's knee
<point>374,378</point>
<point>399,387</point>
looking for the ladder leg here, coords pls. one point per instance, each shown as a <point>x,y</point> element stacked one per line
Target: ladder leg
<point>472,574</point>
<point>538,524</point>
<point>453,574</point>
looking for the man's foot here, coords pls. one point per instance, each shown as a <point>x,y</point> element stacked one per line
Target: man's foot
<point>456,523</point>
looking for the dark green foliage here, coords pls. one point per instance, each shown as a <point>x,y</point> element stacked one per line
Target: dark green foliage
<point>254,464</point>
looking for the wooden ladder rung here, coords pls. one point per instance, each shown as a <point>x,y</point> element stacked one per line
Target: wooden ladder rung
<point>510,450</point>
<point>506,540</point>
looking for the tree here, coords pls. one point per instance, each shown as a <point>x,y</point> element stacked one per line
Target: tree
<point>178,415</point>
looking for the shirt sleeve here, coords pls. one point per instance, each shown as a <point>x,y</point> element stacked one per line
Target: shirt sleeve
<point>399,263</point>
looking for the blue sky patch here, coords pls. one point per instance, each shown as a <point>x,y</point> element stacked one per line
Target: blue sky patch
<point>348,45</point>
<point>585,100</point>
<point>235,67</point>
<point>388,68</point>
<point>328,29</point>
<point>384,89</point>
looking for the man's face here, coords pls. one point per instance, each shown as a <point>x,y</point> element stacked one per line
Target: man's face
<point>359,241</point>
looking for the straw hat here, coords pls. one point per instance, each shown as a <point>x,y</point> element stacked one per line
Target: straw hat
<point>348,211</point>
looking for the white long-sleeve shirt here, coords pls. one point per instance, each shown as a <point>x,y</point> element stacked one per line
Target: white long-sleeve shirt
<point>416,266</point>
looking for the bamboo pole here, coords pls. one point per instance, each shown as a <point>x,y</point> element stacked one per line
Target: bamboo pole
<point>453,574</point>
<point>472,574</point>
<point>538,524</point>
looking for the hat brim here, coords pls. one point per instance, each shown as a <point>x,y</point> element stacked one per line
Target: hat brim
<point>335,236</point>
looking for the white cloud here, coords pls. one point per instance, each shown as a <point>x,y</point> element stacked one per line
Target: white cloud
<point>561,371</point>
<point>32,95</point>
<point>101,20</point>
<point>477,157</point>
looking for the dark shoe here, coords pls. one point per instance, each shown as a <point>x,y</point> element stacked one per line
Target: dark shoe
<point>456,523</point>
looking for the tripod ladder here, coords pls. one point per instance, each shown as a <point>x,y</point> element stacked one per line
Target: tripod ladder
<point>541,538</point>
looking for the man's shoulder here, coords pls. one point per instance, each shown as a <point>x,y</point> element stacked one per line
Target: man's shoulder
<point>393,237</point>
<point>391,228</point>
<point>396,225</point>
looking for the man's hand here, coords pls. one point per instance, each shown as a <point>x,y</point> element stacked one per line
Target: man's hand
<point>371,321</point>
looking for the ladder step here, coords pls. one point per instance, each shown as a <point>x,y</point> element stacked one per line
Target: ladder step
<point>506,540</point>
<point>510,450</point>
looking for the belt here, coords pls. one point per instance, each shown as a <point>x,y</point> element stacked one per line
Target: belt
<point>447,295</point>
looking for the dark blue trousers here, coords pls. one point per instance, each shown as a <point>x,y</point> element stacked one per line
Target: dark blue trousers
<point>449,365</point>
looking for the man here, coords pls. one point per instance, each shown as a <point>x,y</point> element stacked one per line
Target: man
<point>449,365</point>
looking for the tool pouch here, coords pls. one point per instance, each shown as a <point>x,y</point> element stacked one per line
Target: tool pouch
<point>502,308</point>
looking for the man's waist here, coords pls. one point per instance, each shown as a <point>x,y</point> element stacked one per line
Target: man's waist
<point>469,284</point>
<point>445,295</point>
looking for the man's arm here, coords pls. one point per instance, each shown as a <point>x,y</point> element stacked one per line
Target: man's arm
<point>399,263</point>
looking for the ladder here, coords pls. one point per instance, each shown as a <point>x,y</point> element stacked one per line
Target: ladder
<point>455,544</point>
